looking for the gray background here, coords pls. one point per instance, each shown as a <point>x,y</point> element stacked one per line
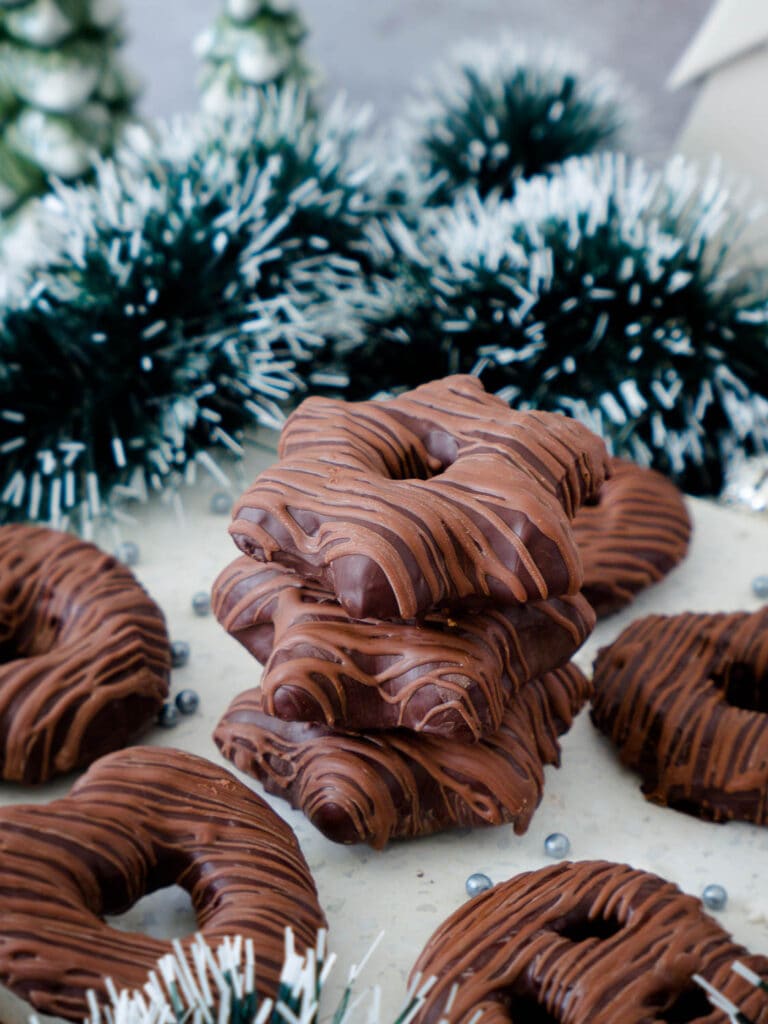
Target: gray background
<point>373,49</point>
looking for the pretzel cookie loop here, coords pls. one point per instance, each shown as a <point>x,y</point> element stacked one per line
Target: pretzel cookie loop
<point>636,533</point>
<point>431,498</point>
<point>451,675</point>
<point>86,656</point>
<point>584,943</point>
<point>397,785</point>
<point>683,697</point>
<point>138,821</point>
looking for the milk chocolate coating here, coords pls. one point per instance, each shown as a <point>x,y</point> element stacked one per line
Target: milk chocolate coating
<point>441,494</point>
<point>584,943</point>
<point>140,820</point>
<point>397,785</point>
<point>638,531</point>
<point>450,675</point>
<point>684,698</point>
<point>85,654</point>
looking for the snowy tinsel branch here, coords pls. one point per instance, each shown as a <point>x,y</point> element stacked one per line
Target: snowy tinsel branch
<point>192,289</point>
<point>496,112</point>
<point>607,291</point>
<point>221,986</point>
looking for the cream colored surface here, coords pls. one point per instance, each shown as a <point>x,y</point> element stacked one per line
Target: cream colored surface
<point>410,888</point>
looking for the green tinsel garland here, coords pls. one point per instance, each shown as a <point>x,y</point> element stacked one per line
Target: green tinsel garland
<point>497,112</point>
<point>606,291</point>
<point>207,266</point>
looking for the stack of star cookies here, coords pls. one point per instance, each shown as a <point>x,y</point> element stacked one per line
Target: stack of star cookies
<point>411,582</point>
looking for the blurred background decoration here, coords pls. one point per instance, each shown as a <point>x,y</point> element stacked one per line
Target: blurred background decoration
<point>512,212</point>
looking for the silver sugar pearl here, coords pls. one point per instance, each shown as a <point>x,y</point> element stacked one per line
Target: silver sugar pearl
<point>169,716</point>
<point>127,552</point>
<point>714,897</point>
<point>201,603</point>
<point>557,845</point>
<point>477,883</point>
<point>187,701</point>
<point>760,587</point>
<point>221,503</point>
<point>179,653</point>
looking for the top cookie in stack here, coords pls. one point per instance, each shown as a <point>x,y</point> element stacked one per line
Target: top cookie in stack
<point>410,565</point>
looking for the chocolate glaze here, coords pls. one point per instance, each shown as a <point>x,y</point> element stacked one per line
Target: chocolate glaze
<point>584,943</point>
<point>85,654</point>
<point>393,785</point>
<point>684,699</point>
<point>426,499</point>
<point>140,820</point>
<point>638,531</point>
<point>450,675</point>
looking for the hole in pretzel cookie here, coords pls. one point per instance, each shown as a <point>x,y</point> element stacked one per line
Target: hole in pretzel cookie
<point>690,1005</point>
<point>579,927</point>
<point>526,1010</point>
<point>35,634</point>
<point>743,689</point>
<point>166,913</point>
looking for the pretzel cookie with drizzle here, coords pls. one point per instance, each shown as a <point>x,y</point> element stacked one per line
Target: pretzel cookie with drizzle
<point>451,675</point>
<point>140,820</point>
<point>685,700</point>
<point>441,495</point>
<point>397,784</point>
<point>86,659</point>
<point>584,943</point>
<point>636,533</point>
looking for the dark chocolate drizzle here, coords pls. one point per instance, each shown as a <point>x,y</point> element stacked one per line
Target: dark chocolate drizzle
<point>685,700</point>
<point>428,499</point>
<point>398,784</point>
<point>584,943</point>
<point>451,675</point>
<point>139,820</point>
<point>637,532</point>
<point>85,654</point>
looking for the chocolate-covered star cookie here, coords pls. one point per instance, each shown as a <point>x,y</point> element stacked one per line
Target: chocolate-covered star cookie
<point>432,498</point>
<point>397,784</point>
<point>451,674</point>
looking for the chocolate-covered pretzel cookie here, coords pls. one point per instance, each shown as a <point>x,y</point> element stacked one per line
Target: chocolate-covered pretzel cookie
<point>685,700</point>
<point>85,655</point>
<point>138,821</point>
<point>583,943</point>
<point>398,784</point>
<point>451,675</point>
<point>428,499</point>
<point>636,533</point>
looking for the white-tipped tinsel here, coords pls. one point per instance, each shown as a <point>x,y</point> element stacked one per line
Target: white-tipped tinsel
<point>221,986</point>
<point>606,290</point>
<point>261,217</point>
<point>496,111</point>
